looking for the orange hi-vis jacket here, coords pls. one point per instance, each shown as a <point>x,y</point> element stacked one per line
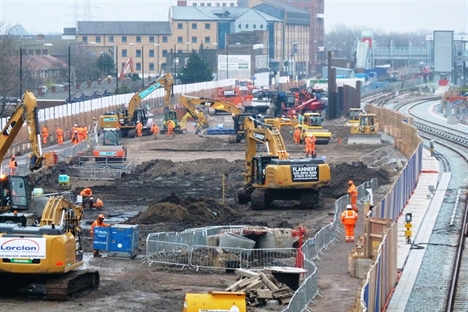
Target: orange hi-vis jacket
<point>349,217</point>
<point>352,190</point>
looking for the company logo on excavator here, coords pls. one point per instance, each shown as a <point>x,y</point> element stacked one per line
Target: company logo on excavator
<point>8,130</point>
<point>207,103</point>
<point>22,248</point>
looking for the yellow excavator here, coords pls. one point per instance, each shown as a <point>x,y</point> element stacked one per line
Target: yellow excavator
<point>126,120</point>
<point>50,253</point>
<point>190,103</point>
<point>15,194</point>
<point>271,175</point>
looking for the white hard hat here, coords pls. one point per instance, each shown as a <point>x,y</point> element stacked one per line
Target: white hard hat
<point>349,206</point>
<point>76,125</point>
<point>310,135</point>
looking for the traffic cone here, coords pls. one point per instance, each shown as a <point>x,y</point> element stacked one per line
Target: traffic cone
<point>339,140</point>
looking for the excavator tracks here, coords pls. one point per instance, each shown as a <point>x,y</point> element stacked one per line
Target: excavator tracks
<point>72,285</point>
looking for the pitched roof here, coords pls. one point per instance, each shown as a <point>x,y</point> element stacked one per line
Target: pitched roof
<point>196,13</point>
<point>123,28</point>
<point>43,62</point>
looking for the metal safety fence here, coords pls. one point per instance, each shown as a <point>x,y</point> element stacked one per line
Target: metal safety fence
<point>323,240</point>
<point>198,248</point>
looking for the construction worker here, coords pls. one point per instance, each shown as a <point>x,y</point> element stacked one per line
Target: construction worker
<point>155,130</point>
<point>75,139</point>
<point>353,194</point>
<point>87,195</point>
<point>349,218</point>
<point>13,165</point>
<point>170,128</point>
<point>297,135</point>
<point>85,132</point>
<point>74,128</point>
<point>310,145</point>
<point>98,204</point>
<point>431,147</point>
<point>59,134</point>
<point>99,222</point>
<point>45,134</point>
<point>139,128</point>
<point>80,134</point>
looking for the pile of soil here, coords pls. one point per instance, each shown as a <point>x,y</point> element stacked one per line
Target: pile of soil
<point>357,172</point>
<point>186,212</point>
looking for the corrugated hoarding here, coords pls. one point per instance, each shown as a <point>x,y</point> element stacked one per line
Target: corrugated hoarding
<point>443,51</point>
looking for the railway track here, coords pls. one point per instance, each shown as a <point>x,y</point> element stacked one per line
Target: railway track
<point>456,141</point>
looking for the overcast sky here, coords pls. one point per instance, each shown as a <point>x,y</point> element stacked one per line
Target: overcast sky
<point>51,16</point>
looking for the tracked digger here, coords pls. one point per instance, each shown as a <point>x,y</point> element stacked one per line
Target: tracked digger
<point>15,194</point>
<point>48,251</point>
<point>48,254</point>
<point>271,175</point>
<point>190,103</point>
<point>127,119</point>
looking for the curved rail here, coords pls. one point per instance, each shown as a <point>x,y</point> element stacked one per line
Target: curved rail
<point>457,142</point>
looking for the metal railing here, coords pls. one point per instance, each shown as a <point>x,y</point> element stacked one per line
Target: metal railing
<point>199,248</point>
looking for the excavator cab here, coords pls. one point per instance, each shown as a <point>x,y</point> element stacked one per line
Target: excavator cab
<point>15,193</point>
<point>259,166</point>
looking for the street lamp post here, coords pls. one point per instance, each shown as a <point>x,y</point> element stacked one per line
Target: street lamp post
<point>142,67</point>
<point>391,52</point>
<point>21,64</point>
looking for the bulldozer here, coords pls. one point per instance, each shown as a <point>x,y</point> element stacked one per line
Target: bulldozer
<point>312,124</point>
<point>50,254</point>
<point>272,175</point>
<point>353,116</point>
<point>366,131</point>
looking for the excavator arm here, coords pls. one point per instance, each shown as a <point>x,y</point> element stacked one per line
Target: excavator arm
<point>165,81</point>
<point>259,132</point>
<point>61,212</point>
<point>26,112</point>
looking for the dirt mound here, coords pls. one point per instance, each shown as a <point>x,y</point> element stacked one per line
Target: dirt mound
<point>161,168</point>
<point>186,212</point>
<point>342,173</point>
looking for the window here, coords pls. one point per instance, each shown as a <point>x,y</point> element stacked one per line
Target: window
<point>138,38</point>
<point>151,66</point>
<point>138,53</point>
<point>124,39</point>
<point>98,39</point>
<point>124,53</point>
<point>207,39</point>
<point>202,4</point>
<point>138,66</point>
<point>194,25</point>
<point>164,39</point>
<point>261,26</point>
<point>194,39</point>
<point>217,4</point>
<point>111,38</point>
<point>85,38</point>
<point>179,51</point>
<point>180,39</point>
<point>254,26</point>
<point>207,26</point>
<point>194,4</point>
<point>240,26</point>
<point>246,26</point>
<point>231,5</point>
<point>180,26</point>
<point>208,4</point>
<point>151,53</point>
<point>224,4</point>
<point>164,53</point>
<point>151,39</point>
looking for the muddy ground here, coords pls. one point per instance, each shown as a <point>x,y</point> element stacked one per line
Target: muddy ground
<point>175,185</point>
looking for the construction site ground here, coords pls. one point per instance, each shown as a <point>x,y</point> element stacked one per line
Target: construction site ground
<point>178,184</point>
